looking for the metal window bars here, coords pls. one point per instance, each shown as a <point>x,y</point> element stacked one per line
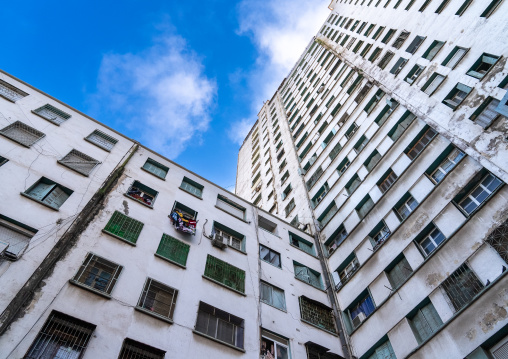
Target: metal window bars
<point>79,162</point>
<point>62,336</point>
<point>10,92</point>
<point>135,350</point>
<point>124,227</point>
<point>173,249</point>
<point>401,39</point>
<point>22,133</point>
<point>101,140</point>
<point>317,314</point>
<point>98,273</point>
<point>348,272</point>
<point>461,287</point>
<point>225,273</point>
<point>52,114</point>
<point>218,324</point>
<point>498,239</point>
<point>158,298</point>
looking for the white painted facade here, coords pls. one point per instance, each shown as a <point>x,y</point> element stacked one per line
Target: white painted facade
<point>342,106</point>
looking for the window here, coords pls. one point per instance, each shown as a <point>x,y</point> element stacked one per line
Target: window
<point>411,2</point>
<point>225,273</point>
<point>52,114</point>
<point>328,214</point>
<point>313,179</point>
<point>385,59</point>
<point>365,50</point>
<point>491,8</point>
<point>364,207</point>
<point>360,310</point>
<point>307,275</point>
<point>48,193</point>
<point>351,130</point>
<point>481,191</point>
<point>424,321</point>
<point>134,349</point>
<point>415,44</point>
<point>155,168</point>
<point>231,237</point>
<point>375,54</point>
<point>424,5</point>
<point>320,194</point>
<point>284,177</point>
<point>372,160</point>
<point>387,180</point>
<point>62,336</point>
<point>123,227</point>
<point>482,65</point>
<point>220,325</point>
<point>3,161</point>
<point>463,7</point>
<point>445,163</point>
<point>22,134</point>
<point>374,101</point>
<point>142,194</point>
<point>230,207</point>
<point>346,270</point>
<point>402,124</point>
<point>398,271</point>
<point>461,287</point>
<point>384,351</point>
<point>317,314</point>
<point>405,206</point>
<point>378,32</point>
<point>173,250</point>
<point>413,74</point>
<point>79,162</point>
<point>273,346</point>
<point>420,142</point>
<point>183,218</point>
<point>433,49</point>
<point>388,36</point>
<point>379,235</point>
<point>399,65</point>
<point>360,144</point>
<point>432,83</point>
<point>430,239</point>
<point>192,187</point>
<point>369,29</point>
<point>343,166</point>
<point>269,256</point>
<point>14,237</point>
<point>457,96</point>
<point>353,184</point>
<point>301,243</point>
<point>10,92</point>
<point>454,57</point>
<point>97,274</point>
<point>272,295</point>
<point>101,140</point>
<point>486,113</point>
<point>336,239</point>
<point>289,208</point>
<point>158,299</point>
<point>399,41</point>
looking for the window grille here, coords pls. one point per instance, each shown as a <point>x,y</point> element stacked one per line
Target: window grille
<point>48,192</point>
<point>79,162</point>
<point>385,59</point>
<point>225,273</point>
<point>135,350</point>
<point>447,165</point>
<point>316,313</point>
<point>425,322</point>
<point>307,275</point>
<point>98,274</point>
<point>421,143</point>
<point>62,336</point>
<point>401,39</point>
<point>22,134</point>
<point>172,249</point>
<point>399,273</point>
<point>124,227</point>
<point>480,193</point>
<point>220,325</point>
<point>15,236</point>
<point>461,287</point>
<point>498,239</point>
<point>387,181</point>
<point>101,140</point>
<point>405,209</point>
<point>431,241</point>
<point>158,298</point>
<point>192,187</point>
<point>52,114</point>
<point>10,92</point>
<point>156,168</point>
<point>273,296</point>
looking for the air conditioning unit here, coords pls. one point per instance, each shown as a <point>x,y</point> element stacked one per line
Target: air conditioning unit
<point>218,241</point>
<point>358,319</point>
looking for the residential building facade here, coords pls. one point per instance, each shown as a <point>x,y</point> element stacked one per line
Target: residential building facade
<point>394,126</point>
<point>110,250</point>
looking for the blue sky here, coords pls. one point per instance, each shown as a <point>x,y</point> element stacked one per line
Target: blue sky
<point>185,78</point>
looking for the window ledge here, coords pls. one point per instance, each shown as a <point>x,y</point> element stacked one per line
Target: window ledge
<point>223,285</point>
<point>223,210</point>
<point>153,314</point>
<point>170,261</point>
<point>36,200</point>
<point>90,289</point>
<point>273,306</point>
<point>153,174</point>
<point>192,194</point>
<point>8,99</point>
<point>75,170</point>
<point>313,255</point>
<point>120,238</point>
<point>96,144</point>
<point>137,200</point>
<point>218,341</point>
<point>318,327</point>
<point>236,249</point>
<point>321,289</point>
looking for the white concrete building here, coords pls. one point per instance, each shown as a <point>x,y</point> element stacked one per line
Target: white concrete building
<point>110,250</point>
<point>394,126</point>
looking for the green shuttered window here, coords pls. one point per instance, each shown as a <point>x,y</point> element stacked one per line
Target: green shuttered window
<point>225,273</point>
<point>124,227</point>
<point>173,250</point>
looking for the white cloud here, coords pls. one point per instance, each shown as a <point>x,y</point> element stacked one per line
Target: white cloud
<point>280,29</point>
<point>161,94</point>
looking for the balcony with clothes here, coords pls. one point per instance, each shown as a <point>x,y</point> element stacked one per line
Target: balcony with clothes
<point>183,218</point>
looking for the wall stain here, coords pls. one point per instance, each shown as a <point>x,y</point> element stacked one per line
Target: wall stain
<point>434,279</point>
<point>417,226</point>
<point>490,319</point>
<point>125,207</point>
<point>471,334</point>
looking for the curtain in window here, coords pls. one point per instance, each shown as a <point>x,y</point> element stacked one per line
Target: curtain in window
<point>366,307</point>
